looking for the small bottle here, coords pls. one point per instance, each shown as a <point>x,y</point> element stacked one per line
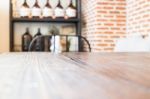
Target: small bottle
<point>71,11</point>
<point>24,10</point>
<point>39,43</point>
<point>26,40</point>
<point>36,10</point>
<point>59,11</point>
<point>47,10</point>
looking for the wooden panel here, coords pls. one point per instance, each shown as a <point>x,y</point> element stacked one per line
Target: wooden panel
<point>74,76</point>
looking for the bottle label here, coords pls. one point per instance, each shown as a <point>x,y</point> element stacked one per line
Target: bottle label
<point>47,12</point>
<point>36,12</point>
<point>59,12</point>
<point>71,12</point>
<point>24,12</point>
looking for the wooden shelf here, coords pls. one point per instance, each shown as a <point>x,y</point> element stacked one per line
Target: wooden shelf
<point>77,22</point>
<point>58,20</point>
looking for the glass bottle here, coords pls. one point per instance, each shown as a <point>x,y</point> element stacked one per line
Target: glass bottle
<point>71,11</point>
<point>24,10</point>
<point>47,10</point>
<point>36,10</point>
<point>59,11</point>
<point>39,43</point>
<point>26,40</point>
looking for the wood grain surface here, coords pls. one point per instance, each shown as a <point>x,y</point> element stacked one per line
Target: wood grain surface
<point>75,76</point>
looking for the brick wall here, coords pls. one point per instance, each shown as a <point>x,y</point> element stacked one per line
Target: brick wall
<point>138,16</point>
<point>104,21</point>
<point>89,21</point>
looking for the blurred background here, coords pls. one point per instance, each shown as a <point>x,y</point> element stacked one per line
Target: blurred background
<point>109,25</point>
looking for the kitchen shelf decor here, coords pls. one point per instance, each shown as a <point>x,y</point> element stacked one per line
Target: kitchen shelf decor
<point>27,13</point>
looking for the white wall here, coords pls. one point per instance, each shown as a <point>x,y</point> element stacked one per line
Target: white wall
<point>138,17</point>
<point>4,26</point>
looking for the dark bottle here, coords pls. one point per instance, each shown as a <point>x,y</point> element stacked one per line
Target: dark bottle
<point>59,11</point>
<point>71,10</point>
<point>36,10</point>
<point>26,40</point>
<point>39,43</point>
<point>24,10</point>
<point>47,10</point>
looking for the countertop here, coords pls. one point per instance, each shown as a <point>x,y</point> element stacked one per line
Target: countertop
<point>75,76</point>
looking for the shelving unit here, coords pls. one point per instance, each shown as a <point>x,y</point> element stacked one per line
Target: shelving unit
<point>76,21</point>
<point>73,20</point>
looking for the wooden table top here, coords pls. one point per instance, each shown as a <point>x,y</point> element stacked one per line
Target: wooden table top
<point>75,76</point>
